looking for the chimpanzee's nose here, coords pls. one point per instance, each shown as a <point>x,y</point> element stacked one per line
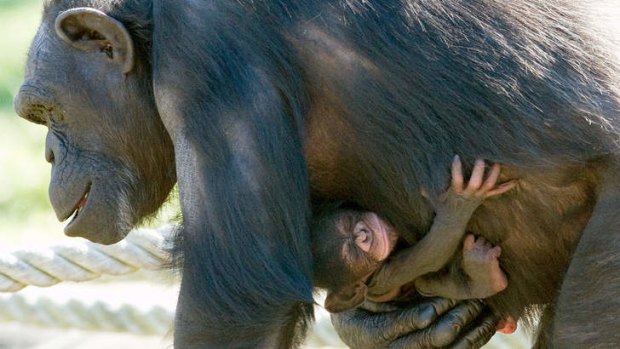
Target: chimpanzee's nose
<point>32,105</point>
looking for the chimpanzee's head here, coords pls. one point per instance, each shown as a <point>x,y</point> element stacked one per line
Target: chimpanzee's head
<point>88,80</point>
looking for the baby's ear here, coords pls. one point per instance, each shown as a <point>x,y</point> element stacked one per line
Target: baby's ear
<point>346,298</point>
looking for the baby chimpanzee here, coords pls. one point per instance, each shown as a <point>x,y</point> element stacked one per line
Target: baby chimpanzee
<point>350,245</point>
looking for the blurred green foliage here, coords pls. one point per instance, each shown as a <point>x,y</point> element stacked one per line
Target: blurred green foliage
<point>24,174</point>
<point>18,21</point>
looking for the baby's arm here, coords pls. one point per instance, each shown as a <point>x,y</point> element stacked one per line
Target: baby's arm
<point>453,211</point>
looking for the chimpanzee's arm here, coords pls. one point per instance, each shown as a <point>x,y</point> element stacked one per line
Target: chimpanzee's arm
<point>233,109</point>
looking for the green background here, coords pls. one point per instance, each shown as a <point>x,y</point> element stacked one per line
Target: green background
<point>25,212</point>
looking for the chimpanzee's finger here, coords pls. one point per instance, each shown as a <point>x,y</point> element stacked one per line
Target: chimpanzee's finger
<point>444,331</point>
<point>496,251</point>
<point>363,329</point>
<point>479,335</point>
<point>457,174</point>
<point>500,189</point>
<point>398,323</point>
<point>469,241</point>
<point>475,181</point>
<point>489,182</point>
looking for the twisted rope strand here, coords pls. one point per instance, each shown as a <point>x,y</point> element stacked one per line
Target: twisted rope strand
<point>84,260</point>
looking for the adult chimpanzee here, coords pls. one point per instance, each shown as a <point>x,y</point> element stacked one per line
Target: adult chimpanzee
<point>269,102</point>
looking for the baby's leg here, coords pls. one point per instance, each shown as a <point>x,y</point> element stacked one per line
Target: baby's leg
<point>481,264</point>
<point>443,285</point>
<point>484,275</point>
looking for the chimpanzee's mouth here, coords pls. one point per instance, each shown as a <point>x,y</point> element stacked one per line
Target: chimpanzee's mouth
<point>80,205</point>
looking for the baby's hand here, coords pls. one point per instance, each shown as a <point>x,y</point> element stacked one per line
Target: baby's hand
<point>477,188</point>
<point>461,201</point>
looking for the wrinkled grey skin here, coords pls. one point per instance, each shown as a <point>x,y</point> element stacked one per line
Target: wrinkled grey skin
<point>86,100</point>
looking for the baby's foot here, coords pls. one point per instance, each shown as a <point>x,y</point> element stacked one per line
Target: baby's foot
<point>481,264</point>
<point>507,325</point>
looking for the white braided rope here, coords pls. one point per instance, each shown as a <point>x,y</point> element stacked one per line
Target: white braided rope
<point>108,315</point>
<point>83,260</point>
<point>157,319</point>
<point>97,316</point>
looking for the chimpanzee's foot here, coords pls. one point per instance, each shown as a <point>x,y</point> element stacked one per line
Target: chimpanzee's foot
<point>481,264</point>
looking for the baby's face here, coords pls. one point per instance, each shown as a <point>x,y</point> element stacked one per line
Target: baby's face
<point>369,238</point>
<point>368,241</point>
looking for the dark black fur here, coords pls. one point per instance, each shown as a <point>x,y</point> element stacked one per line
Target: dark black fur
<point>247,91</point>
<point>240,85</point>
<point>526,85</point>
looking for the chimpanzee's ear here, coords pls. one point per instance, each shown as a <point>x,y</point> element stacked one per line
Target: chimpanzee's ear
<point>91,30</point>
<point>346,298</point>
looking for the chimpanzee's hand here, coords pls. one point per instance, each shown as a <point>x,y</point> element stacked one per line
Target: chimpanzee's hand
<point>436,323</point>
<point>459,202</point>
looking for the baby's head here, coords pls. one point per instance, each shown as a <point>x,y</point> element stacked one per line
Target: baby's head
<point>348,245</point>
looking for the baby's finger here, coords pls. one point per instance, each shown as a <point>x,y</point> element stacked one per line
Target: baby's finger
<point>477,174</point>
<point>469,241</point>
<point>501,189</point>
<point>489,183</point>
<point>496,251</point>
<point>457,174</point>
